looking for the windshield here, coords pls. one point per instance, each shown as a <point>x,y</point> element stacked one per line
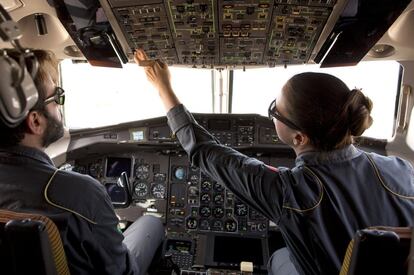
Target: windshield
<point>254,89</point>
<point>98,96</point>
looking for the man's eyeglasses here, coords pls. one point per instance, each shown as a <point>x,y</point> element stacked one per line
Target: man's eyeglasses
<point>274,113</point>
<point>58,97</point>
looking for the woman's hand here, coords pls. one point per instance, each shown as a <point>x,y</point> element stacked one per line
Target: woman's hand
<point>158,74</point>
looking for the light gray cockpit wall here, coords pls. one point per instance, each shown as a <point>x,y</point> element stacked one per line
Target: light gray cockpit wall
<point>402,143</point>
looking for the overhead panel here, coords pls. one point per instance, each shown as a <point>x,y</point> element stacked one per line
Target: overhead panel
<point>244,27</point>
<point>147,26</point>
<point>211,33</point>
<point>294,31</point>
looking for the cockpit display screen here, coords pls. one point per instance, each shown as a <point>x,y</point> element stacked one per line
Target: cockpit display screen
<point>115,166</point>
<point>233,250</point>
<point>137,135</point>
<point>219,124</point>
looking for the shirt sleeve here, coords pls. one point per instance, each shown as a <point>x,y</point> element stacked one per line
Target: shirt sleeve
<point>251,180</point>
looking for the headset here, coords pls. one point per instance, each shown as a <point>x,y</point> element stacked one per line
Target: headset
<point>18,67</point>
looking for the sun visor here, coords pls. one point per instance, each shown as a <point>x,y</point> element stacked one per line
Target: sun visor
<point>90,29</point>
<point>360,26</point>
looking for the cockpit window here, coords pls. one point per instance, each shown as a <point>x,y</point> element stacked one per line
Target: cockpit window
<point>254,89</point>
<point>97,96</point>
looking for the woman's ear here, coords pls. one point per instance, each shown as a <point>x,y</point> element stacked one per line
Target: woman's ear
<point>300,139</point>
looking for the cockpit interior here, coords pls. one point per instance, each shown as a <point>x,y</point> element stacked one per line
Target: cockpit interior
<point>140,162</point>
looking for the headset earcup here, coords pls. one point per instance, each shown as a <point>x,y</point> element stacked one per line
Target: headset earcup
<point>15,101</point>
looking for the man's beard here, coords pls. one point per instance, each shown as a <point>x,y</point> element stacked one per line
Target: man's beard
<point>54,130</point>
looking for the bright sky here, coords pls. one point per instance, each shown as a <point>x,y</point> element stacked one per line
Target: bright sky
<point>104,96</point>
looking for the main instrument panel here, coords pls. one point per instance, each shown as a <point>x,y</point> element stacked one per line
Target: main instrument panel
<point>190,203</point>
<point>206,224</point>
<point>207,33</point>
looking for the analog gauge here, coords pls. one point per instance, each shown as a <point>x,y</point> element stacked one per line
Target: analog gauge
<point>205,211</point>
<point>218,212</point>
<point>158,191</point>
<point>204,224</point>
<point>179,173</point>
<point>206,185</point>
<point>142,171</point>
<point>141,189</point>
<point>160,177</point>
<point>261,227</point>
<point>205,198</point>
<point>240,209</point>
<point>217,225</point>
<point>193,191</point>
<point>230,226</point>
<point>218,187</point>
<point>191,223</point>
<point>218,199</point>
<point>194,179</point>
<point>95,169</point>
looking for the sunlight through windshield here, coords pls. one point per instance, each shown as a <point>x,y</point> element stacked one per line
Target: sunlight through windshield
<point>254,89</point>
<point>99,96</point>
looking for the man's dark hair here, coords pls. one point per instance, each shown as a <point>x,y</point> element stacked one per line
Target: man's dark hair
<point>48,69</point>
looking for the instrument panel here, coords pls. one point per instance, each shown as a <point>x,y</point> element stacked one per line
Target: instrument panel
<point>196,210</point>
<point>205,222</point>
<point>194,202</point>
<point>207,33</point>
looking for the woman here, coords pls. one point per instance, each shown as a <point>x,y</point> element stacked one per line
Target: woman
<point>334,189</point>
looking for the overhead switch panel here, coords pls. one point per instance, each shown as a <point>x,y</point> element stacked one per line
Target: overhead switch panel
<point>210,33</point>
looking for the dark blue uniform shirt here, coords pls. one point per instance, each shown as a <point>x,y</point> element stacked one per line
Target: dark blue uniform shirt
<point>78,204</point>
<point>320,203</point>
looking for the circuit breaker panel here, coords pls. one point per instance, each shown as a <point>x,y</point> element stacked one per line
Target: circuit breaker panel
<point>211,33</point>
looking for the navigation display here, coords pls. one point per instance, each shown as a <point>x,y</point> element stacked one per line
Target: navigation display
<point>115,166</point>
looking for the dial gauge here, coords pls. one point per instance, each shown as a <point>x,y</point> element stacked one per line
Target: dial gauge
<point>218,212</point>
<point>179,173</point>
<point>240,209</point>
<point>230,226</point>
<point>160,177</point>
<point>205,198</point>
<point>217,225</point>
<point>158,191</point>
<point>218,199</point>
<point>194,179</point>
<point>204,224</point>
<point>141,189</point>
<point>218,187</point>
<point>192,223</point>
<point>206,185</point>
<point>205,211</point>
<point>142,171</point>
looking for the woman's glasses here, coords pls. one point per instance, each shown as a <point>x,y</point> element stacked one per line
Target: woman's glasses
<point>58,97</point>
<point>274,113</point>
